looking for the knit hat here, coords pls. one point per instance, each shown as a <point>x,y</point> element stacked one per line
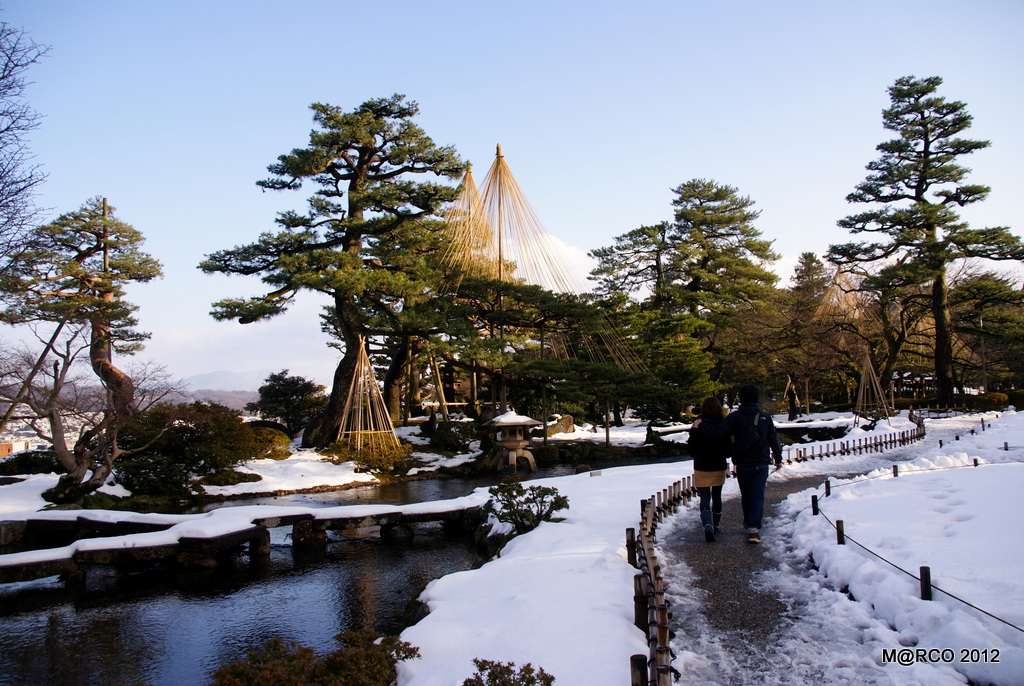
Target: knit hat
<point>749,394</point>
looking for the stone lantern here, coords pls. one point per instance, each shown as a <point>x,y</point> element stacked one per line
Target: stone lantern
<point>512,435</point>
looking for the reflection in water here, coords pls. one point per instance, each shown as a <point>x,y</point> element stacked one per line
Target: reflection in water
<point>170,627</point>
<point>176,627</point>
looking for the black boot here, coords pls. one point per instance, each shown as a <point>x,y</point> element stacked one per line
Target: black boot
<point>709,529</point>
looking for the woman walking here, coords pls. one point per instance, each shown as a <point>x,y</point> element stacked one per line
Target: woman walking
<point>710,462</point>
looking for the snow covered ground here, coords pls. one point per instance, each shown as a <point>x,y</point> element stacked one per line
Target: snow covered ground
<point>853,611</point>
<point>560,597</point>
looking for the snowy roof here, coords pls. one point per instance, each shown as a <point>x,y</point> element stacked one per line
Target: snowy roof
<point>510,418</point>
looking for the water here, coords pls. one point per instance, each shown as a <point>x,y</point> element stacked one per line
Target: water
<point>167,626</point>
<point>171,627</point>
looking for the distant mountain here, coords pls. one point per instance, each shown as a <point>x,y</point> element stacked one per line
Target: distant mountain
<point>236,400</point>
<point>227,381</point>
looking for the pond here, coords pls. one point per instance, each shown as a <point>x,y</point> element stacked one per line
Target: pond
<point>169,626</point>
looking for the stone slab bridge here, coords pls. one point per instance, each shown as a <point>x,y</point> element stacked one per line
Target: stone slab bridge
<point>66,542</point>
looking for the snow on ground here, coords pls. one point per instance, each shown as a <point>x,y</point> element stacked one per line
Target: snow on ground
<point>940,512</point>
<point>560,597</point>
<point>303,469</point>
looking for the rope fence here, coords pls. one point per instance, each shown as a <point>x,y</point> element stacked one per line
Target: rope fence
<point>924,576</point>
<point>650,607</point>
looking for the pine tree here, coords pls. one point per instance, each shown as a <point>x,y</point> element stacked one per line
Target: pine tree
<point>75,271</point>
<point>916,186</point>
<point>366,240</point>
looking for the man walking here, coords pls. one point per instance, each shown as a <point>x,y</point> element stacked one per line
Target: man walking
<point>755,445</point>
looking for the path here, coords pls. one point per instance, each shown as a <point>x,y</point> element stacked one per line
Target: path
<point>730,626</point>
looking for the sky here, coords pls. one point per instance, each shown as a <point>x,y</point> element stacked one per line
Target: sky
<point>173,110</point>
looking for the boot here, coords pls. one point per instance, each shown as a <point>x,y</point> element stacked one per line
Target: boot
<point>716,520</point>
<point>709,529</point>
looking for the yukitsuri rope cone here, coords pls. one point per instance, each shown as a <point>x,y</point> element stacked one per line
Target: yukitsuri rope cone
<point>365,423</point>
<point>496,233</point>
<point>871,403</point>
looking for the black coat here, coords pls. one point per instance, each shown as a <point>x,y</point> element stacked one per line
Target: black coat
<point>753,443</point>
<point>709,454</point>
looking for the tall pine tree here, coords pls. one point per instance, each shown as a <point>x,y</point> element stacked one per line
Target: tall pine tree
<point>365,239</point>
<point>916,186</point>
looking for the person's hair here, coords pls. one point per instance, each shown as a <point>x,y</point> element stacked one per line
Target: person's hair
<point>712,409</point>
<point>749,394</point>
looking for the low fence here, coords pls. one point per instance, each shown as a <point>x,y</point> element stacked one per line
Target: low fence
<point>924,578</point>
<point>650,608</point>
<point>858,446</point>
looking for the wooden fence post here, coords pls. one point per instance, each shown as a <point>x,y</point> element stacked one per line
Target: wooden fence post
<point>638,670</point>
<point>840,533</point>
<point>926,583</point>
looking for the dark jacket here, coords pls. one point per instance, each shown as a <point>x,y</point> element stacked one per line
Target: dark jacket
<point>754,439</point>
<point>709,454</point>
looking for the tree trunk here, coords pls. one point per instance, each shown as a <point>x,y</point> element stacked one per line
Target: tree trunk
<point>393,379</point>
<point>945,381</point>
<point>322,430</point>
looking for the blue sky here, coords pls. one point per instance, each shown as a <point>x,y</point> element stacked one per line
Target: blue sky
<point>173,110</point>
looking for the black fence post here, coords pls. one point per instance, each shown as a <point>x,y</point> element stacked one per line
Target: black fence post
<point>926,583</point>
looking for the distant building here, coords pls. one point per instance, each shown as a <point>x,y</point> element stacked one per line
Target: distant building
<point>13,447</point>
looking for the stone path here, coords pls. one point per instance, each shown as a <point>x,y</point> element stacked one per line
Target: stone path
<point>739,620</point>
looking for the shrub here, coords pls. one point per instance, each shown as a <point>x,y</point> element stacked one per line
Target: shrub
<point>545,455</point>
<point>579,451</point>
<point>229,477</point>
<point>501,674</point>
<point>270,443</point>
<point>365,659</point>
<point>1016,398</point>
<point>453,436</point>
<point>31,462</point>
<point>524,508</point>
<point>371,458</point>
<point>197,440</point>
<point>986,402</point>
<point>148,474</point>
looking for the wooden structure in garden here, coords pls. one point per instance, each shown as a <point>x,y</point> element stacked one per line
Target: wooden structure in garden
<point>495,233</point>
<point>871,403</point>
<point>365,422</point>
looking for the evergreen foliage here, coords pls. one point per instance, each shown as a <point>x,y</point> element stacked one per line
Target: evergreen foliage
<point>366,240</point>
<point>915,188</point>
<point>192,442</point>
<point>74,272</point>
<point>489,673</point>
<point>524,508</point>
<point>292,400</point>
<point>365,659</point>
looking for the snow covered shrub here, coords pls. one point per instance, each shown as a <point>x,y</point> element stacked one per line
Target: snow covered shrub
<point>524,508</point>
<point>365,659</point>
<point>501,674</point>
<point>31,462</point>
